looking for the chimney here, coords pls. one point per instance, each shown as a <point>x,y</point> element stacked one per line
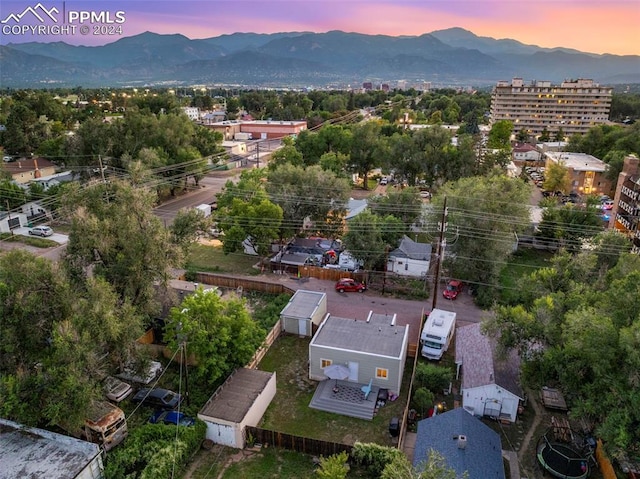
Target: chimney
<point>462,441</point>
<point>36,173</point>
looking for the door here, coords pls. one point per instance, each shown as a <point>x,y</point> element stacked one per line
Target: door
<point>303,330</point>
<point>353,371</point>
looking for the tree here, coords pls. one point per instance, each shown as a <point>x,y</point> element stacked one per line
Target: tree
<point>484,223</point>
<point>364,239</point>
<point>423,399</point>
<point>500,135</point>
<point>115,235</point>
<point>434,468</point>
<point>311,193</point>
<point>218,332</point>
<point>365,149</point>
<point>557,178</point>
<point>405,204</point>
<point>569,225</point>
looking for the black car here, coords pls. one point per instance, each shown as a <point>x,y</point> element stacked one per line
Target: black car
<point>158,398</point>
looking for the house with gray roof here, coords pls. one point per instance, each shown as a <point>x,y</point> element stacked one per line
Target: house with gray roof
<point>32,452</point>
<point>490,384</point>
<point>466,444</point>
<point>374,350</point>
<point>410,258</point>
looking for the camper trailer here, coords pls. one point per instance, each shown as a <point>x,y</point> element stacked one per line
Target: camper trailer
<point>437,333</point>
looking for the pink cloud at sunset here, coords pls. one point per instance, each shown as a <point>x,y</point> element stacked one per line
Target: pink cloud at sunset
<point>586,25</point>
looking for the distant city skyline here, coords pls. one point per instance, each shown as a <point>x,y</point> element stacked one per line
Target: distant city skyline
<point>585,25</point>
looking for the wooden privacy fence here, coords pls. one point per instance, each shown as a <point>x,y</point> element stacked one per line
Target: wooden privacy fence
<point>315,447</point>
<point>328,274</point>
<point>232,282</point>
<point>269,340</point>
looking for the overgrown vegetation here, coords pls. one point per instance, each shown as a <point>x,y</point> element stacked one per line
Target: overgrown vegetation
<point>154,451</point>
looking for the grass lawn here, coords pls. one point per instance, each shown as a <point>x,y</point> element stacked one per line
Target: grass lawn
<point>289,412</point>
<point>211,258</point>
<point>522,263</point>
<point>272,463</point>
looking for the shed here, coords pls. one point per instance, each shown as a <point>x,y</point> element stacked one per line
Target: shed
<point>374,350</point>
<point>240,401</point>
<point>32,452</point>
<point>490,385</point>
<point>304,312</point>
<point>410,258</point>
<point>10,221</point>
<point>465,442</point>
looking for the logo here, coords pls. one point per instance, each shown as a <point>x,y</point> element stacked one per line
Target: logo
<point>39,20</point>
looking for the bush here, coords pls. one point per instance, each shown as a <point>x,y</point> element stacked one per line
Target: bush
<point>423,399</point>
<point>333,467</point>
<point>150,451</point>
<point>374,456</point>
<point>434,378</point>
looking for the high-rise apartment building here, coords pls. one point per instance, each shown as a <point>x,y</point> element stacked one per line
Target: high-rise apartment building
<point>625,216</point>
<point>572,107</point>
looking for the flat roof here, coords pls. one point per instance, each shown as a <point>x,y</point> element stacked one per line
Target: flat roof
<point>31,452</point>
<point>303,304</point>
<point>378,335</point>
<point>578,161</point>
<point>232,401</point>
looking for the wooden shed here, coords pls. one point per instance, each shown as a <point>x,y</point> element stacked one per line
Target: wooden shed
<point>304,312</point>
<point>240,401</point>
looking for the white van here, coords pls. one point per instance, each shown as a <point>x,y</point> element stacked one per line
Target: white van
<point>437,333</point>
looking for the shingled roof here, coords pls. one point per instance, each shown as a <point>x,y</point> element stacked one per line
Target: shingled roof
<point>412,250</point>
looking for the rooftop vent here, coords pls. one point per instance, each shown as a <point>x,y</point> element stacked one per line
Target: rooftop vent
<point>462,441</point>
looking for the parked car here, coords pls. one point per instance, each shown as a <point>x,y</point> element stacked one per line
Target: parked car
<point>607,205</point>
<point>348,284</point>
<point>116,390</point>
<point>158,398</point>
<point>41,231</point>
<point>453,289</point>
<point>129,373</point>
<point>171,417</point>
<point>384,181</point>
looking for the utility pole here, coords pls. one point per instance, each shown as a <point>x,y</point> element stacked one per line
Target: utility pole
<point>439,253</point>
<point>386,261</point>
<point>101,168</point>
<point>258,153</point>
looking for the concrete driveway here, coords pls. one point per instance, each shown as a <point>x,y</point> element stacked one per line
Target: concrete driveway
<point>358,305</point>
<point>57,237</point>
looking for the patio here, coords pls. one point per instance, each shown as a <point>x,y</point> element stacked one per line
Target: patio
<point>348,399</point>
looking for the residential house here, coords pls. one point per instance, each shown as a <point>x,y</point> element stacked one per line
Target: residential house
<point>410,258</point>
<point>25,170</point>
<point>304,312</point>
<point>525,154</point>
<point>586,172</point>
<point>239,402</point>
<point>374,350</point>
<point>466,444</point>
<point>31,452</point>
<point>490,385</point>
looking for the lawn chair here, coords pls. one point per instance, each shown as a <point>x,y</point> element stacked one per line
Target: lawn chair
<point>367,389</point>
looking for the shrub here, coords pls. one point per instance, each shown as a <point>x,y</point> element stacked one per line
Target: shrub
<point>333,467</point>
<point>423,399</point>
<point>434,378</point>
<point>374,456</point>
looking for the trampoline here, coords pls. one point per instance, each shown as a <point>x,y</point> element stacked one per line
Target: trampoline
<point>561,460</point>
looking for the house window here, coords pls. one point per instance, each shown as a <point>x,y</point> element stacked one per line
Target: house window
<point>325,362</point>
<point>382,373</point>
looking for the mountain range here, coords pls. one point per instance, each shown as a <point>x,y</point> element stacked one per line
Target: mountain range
<point>302,59</point>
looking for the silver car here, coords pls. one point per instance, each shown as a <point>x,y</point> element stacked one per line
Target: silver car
<point>41,231</point>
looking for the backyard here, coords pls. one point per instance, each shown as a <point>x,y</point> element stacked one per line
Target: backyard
<point>289,412</point>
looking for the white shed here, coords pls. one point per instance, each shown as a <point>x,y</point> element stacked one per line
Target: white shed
<point>240,401</point>
<point>11,221</point>
<point>31,452</point>
<point>489,387</point>
<point>304,310</point>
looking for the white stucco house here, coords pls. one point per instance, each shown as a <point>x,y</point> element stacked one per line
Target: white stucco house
<point>490,386</point>
<point>410,258</point>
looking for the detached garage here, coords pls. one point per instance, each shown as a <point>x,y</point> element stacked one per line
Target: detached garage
<point>240,401</point>
<point>304,313</point>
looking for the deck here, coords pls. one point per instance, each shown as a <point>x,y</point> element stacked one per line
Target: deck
<point>348,400</point>
<point>553,399</point>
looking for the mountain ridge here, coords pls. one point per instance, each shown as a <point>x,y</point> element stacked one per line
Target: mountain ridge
<point>453,56</point>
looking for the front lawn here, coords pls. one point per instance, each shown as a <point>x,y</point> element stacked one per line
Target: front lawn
<point>521,263</point>
<point>289,411</point>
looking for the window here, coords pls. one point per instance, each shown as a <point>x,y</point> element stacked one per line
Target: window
<point>382,373</point>
<point>325,362</point>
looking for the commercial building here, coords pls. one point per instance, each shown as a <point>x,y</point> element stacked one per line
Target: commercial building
<point>586,172</point>
<point>572,107</point>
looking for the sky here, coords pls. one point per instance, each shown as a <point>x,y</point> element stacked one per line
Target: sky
<point>602,26</point>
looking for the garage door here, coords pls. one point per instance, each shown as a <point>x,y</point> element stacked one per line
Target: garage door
<point>14,223</point>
